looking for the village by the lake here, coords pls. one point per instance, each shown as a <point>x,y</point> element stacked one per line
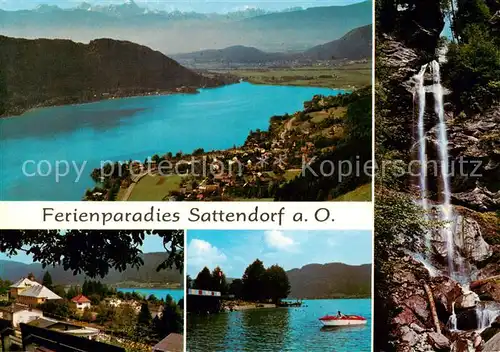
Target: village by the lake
<point>55,308</point>
<point>232,118</point>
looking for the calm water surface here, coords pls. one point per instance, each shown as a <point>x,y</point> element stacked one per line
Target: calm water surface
<point>131,128</point>
<point>158,292</point>
<point>281,329</point>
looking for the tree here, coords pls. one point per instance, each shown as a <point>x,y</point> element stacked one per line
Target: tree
<point>170,319</point>
<point>253,281</point>
<point>204,280</point>
<point>189,281</point>
<point>144,317</point>
<point>59,309</point>
<point>87,315</point>
<point>93,253</point>
<point>277,283</point>
<point>219,281</point>
<point>47,280</point>
<point>236,288</point>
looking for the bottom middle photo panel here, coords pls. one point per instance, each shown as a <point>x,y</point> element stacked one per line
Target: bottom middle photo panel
<point>279,290</point>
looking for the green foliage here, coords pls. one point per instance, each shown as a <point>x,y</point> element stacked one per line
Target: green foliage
<point>470,12</point>
<point>277,283</point>
<point>473,65</point>
<point>236,288</point>
<point>95,252</point>
<point>4,286</point>
<point>56,308</point>
<point>170,320</point>
<point>319,182</point>
<point>254,281</point>
<point>203,280</point>
<point>47,280</point>
<point>144,317</point>
<point>219,281</point>
<point>473,69</point>
<point>87,315</point>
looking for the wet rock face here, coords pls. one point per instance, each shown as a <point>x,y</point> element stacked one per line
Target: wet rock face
<point>489,291</point>
<point>467,300</point>
<point>474,148</point>
<point>466,342</point>
<point>468,238</point>
<point>446,291</point>
<point>438,341</point>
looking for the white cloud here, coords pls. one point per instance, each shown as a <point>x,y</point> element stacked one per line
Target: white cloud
<point>201,253</point>
<point>277,240</point>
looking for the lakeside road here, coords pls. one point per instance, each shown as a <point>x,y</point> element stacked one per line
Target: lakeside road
<point>130,188</point>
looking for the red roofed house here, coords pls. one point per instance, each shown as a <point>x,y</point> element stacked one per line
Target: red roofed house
<point>81,302</point>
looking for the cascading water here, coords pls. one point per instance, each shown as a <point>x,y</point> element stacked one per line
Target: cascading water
<point>446,213</point>
<point>422,155</point>
<point>486,315</point>
<point>452,321</point>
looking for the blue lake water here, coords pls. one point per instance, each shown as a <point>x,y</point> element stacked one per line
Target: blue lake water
<point>131,128</point>
<point>282,329</point>
<point>158,292</point>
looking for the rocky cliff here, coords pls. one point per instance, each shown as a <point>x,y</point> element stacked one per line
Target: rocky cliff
<point>436,281</point>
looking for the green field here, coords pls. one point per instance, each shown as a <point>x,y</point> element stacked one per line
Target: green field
<point>347,76</point>
<point>361,194</point>
<point>155,188</point>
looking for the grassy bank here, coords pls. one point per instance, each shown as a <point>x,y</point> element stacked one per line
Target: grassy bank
<point>347,76</point>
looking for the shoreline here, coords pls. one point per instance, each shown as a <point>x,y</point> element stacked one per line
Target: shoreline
<point>47,104</point>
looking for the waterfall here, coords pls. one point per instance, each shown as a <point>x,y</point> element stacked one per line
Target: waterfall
<point>485,316</point>
<point>452,321</point>
<point>422,156</point>
<point>446,213</point>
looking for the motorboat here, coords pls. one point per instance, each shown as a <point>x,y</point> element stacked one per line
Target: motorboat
<point>343,320</point>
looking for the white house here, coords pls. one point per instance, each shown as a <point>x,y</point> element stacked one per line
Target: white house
<point>81,302</point>
<point>20,313</point>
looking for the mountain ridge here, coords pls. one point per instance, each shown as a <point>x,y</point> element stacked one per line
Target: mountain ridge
<point>354,45</point>
<point>47,72</point>
<point>13,271</point>
<point>277,31</point>
<point>330,280</point>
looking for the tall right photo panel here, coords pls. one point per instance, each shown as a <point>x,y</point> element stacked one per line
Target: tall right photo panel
<point>437,197</point>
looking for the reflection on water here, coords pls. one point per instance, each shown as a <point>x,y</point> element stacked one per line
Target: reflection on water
<point>281,329</point>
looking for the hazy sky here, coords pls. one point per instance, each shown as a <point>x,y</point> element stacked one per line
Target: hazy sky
<point>152,243</point>
<point>203,6</point>
<point>233,251</point>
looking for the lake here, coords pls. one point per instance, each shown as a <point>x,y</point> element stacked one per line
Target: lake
<point>131,128</point>
<point>177,294</point>
<point>281,329</point>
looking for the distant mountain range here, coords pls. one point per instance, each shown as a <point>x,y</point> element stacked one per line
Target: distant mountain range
<point>175,32</point>
<point>330,281</point>
<point>13,271</point>
<point>356,44</point>
<point>46,72</point>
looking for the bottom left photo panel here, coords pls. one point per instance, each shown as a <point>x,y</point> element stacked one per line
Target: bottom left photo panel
<point>92,290</point>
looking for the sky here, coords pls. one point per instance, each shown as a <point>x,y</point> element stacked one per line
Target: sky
<point>233,251</point>
<point>151,243</point>
<point>202,6</point>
